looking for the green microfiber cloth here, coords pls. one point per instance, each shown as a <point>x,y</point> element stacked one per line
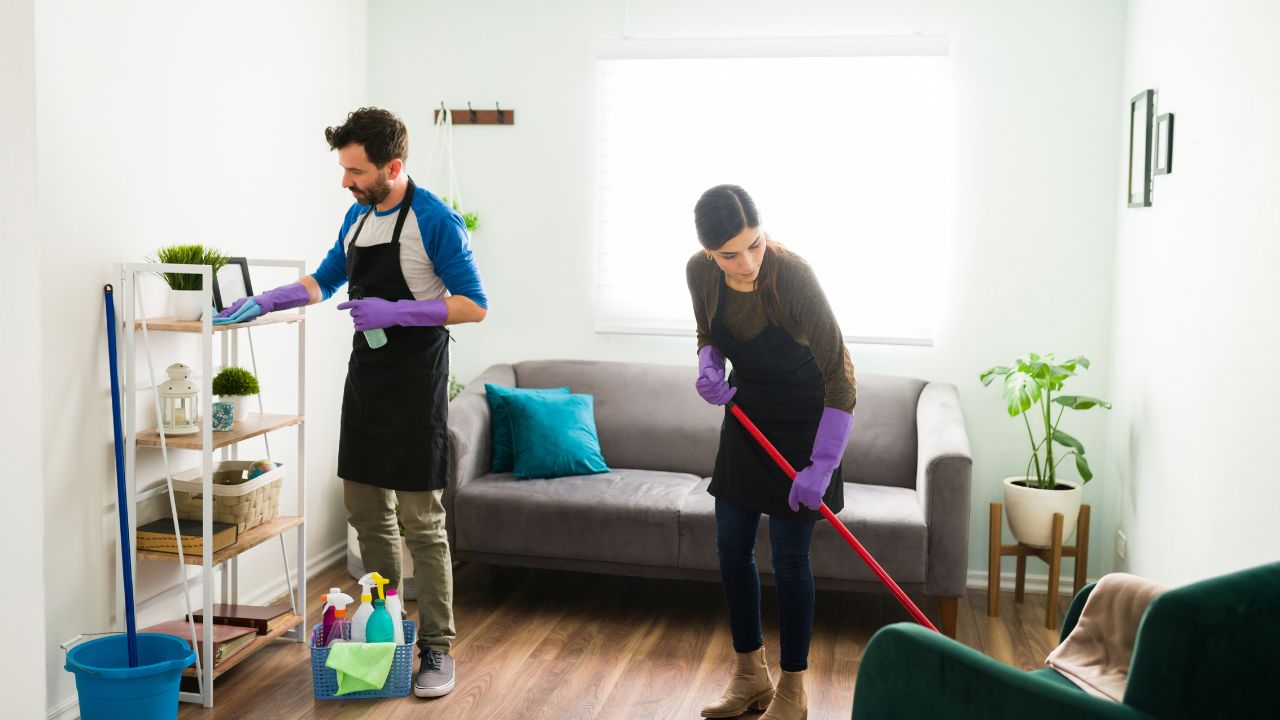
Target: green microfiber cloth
<point>361,666</point>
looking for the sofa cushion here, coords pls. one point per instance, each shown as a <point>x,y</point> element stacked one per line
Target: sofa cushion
<point>883,447</point>
<point>504,453</point>
<point>554,436</point>
<point>623,516</point>
<point>888,521</point>
<point>648,416</point>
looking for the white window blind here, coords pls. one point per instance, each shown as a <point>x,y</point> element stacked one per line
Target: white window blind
<point>845,146</point>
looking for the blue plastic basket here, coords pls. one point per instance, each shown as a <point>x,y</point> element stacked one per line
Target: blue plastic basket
<point>399,680</point>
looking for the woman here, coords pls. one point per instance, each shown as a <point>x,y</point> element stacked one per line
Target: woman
<point>761,307</point>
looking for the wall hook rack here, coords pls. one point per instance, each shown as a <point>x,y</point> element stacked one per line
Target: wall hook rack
<point>470,116</point>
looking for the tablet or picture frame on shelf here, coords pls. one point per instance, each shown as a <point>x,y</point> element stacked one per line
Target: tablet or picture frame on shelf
<point>231,283</point>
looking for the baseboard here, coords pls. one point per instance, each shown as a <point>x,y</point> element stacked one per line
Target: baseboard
<point>977,580</point>
<point>316,564</point>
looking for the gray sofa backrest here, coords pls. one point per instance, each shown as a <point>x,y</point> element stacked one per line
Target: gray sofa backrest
<point>650,417</point>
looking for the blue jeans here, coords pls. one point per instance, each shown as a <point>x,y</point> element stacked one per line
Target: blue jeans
<point>736,546</point>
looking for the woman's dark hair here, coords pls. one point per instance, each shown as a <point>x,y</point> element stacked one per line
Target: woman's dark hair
<point>382,134</point>
<point>721,214</point>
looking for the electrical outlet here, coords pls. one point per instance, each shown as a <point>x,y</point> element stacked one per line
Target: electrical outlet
<point>1122,544</point>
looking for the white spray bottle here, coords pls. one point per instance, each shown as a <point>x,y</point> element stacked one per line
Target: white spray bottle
<point>396,610</point>
<point>361,619</point>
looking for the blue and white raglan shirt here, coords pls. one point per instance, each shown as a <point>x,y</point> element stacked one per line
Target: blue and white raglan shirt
<point>435,254</point>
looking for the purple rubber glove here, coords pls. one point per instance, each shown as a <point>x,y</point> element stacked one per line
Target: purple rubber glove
<point>282,298</point>
<point>711,383</point>
<point>828,448</point>
<point>373,313</point>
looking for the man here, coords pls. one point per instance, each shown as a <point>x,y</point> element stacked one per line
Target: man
<point>411,271</point>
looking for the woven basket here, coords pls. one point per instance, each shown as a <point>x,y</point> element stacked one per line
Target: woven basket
<point>243,503</point>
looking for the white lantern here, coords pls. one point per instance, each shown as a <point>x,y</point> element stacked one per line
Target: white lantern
<point>179,402</point>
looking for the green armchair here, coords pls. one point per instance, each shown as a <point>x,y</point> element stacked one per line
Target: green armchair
<point>1210,649</point>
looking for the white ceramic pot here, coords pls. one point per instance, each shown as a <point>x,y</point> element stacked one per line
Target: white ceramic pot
<point>241,404</point>
<point>1031,510</point>
<point>188,304</point>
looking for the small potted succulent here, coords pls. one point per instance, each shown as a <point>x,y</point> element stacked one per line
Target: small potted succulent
<point>187,288</point>
<point>236,385</point>
<point>1033,497</point>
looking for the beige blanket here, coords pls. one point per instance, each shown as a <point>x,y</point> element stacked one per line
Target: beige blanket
<point>1096,654</point>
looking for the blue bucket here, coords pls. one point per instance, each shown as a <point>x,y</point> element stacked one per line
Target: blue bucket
<point>111,690</point>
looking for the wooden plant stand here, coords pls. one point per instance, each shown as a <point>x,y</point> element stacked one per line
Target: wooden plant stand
<point>1052,555</point>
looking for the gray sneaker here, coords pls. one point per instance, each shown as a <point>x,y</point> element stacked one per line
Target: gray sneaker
<point>435,675</point>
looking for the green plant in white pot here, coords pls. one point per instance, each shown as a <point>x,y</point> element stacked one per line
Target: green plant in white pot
<point>187,289</point>
<point>1032,498</point>
<point>236,385</point>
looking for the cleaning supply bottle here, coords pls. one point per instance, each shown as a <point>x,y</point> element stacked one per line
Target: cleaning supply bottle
<point>376,338</point>
<point>326,625</point>
<point>396,610</point>
<point>341,629</point>
<point>361,617</point>
<point>380,628</point>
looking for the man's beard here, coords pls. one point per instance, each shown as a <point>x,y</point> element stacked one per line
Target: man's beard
<point>375,194</point>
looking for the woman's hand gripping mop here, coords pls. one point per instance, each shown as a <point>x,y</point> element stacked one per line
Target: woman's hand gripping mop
<point>830,516</point>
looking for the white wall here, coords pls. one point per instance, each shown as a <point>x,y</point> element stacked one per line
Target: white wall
<point>161,123</point>
<point>1195,335</point>
<point>22,530</point>
<point>1036,87</point>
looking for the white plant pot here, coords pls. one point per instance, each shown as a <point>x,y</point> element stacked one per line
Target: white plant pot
<point>1031,511</point>
<point>240,404</point>
<point>188,304</point>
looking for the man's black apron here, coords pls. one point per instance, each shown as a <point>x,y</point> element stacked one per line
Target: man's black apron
<point>782,390</point>
<point>395,408</point>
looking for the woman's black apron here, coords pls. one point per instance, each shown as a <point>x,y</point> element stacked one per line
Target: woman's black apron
<point>395,407</point>
<point>782,390</point>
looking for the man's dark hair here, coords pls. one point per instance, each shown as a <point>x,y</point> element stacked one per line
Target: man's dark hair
<point>382,134</point>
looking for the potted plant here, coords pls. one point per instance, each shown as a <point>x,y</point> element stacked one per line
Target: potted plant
<point>471,219</point>
<point>187,288</point>
<point>236,385</point>
<point>1033,497</point>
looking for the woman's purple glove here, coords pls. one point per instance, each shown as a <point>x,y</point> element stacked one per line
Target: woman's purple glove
<point>282,298</point>
<point>373,313</point>
<point>711,384</point>
<point>828,448</point>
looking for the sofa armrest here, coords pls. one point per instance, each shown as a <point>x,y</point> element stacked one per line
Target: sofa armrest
<point>943,476</point>
<point>469,437</point>
<point>909,671</point>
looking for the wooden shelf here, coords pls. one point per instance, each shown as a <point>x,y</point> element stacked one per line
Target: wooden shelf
<point>250,427</point>
<point>258,643</point>
<point>171,324</point>
<point>247,539</point>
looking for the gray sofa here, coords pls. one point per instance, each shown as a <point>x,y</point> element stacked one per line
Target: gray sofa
<point>906,471</point>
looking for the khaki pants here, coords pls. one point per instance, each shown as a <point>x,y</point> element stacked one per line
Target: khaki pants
<point>372,512</point>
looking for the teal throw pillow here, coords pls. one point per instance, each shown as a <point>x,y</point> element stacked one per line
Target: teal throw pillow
<point>500,422</point>
<point>555,436</point>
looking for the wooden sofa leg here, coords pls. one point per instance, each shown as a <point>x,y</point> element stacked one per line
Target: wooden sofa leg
<point>950,607</point>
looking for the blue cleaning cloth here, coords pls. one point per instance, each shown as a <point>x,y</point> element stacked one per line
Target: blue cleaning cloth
<point>360,666</point>
<point>248,311</point>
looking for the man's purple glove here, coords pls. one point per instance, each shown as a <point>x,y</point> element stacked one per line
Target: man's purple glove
<point>282,298</point>
<point>373,313</point>
<point>711,384</point>
<point>828,448</point>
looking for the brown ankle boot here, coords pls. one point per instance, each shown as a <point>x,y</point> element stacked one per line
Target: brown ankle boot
<point>749,688</point>
<point>789,701</point>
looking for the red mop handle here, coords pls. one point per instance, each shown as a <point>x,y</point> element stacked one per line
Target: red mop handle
<point>835,522</point>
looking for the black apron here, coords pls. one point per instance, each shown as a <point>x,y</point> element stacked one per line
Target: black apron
<point>782,390</point>
<point>395,407</point>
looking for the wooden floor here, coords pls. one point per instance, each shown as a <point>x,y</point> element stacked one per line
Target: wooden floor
<point>561,646</point>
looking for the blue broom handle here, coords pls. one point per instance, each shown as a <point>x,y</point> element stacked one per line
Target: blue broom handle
<point>125,554</point>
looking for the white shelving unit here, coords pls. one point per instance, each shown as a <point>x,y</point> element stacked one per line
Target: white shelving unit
<point>257,424</point>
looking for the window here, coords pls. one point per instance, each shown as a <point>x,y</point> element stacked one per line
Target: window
<point>844,144</point>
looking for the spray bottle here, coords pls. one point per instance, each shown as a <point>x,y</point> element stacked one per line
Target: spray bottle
<point>326,625</point>
<point>341,628</point>
<point>361,618</point>
<point>379,628</point>
<point>396,610</point>
<point>376,337</point>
